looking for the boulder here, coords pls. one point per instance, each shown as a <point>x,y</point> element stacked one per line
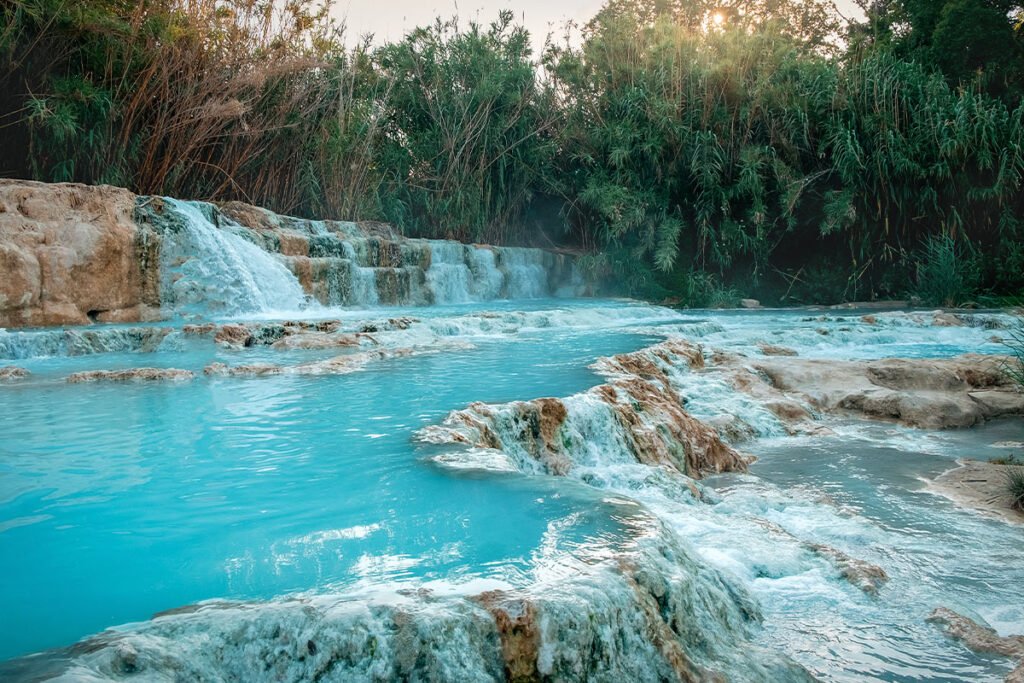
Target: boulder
<point>750,303</point>
<point>975,636</point>
<point>941,319</point>
<point>773,350</point>
<point>11,372</point>
<point>233,336</point>
<point>319,340</point>
<point>72,255</point>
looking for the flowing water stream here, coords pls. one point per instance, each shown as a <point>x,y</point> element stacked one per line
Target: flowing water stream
<point>119,501</point>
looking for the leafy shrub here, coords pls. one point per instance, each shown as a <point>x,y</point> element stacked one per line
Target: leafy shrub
<point>947,273</point>
<point>704,290</point>
<point>1015,486</point>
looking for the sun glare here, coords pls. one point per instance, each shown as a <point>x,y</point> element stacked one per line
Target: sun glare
<point>718,19</point>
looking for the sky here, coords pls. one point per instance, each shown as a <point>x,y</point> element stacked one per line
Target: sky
<point>391,19</point>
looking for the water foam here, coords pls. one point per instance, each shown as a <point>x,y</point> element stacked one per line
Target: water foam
<point>216,270</point>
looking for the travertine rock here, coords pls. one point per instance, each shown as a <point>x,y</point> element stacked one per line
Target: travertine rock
<point>925,393</point>
<point>132,375</point>
<point>71,255</point>
<point>11,372</point>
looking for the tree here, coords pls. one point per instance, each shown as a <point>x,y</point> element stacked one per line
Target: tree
<point>967,40</point>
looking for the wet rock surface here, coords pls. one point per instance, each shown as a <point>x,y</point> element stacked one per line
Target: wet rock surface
<point>301,335</point>
<point>339,365</point>
<point>640,401</point>
<point>775,350</point>
<point>864,575</point>
<point>11,373</point>
<point>924,393</point>
<point>132,375</point>
<point>72,255</point>
<point>980,486</point>
<point>650,613</point>
<point>981,639</point>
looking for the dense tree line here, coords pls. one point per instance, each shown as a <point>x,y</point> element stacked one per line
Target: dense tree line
<point>688,148</point>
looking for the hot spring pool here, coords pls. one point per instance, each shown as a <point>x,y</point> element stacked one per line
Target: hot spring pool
<point>120,501</point>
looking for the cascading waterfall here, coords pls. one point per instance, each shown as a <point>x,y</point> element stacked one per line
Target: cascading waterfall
<point>449,278</point>
<point>461,273</point>
<point>210,269</point>
<point>361,283</point>
<point>487,279</point>
<point>81,342</point>
<point>525,274</point>
<point>215,264</point>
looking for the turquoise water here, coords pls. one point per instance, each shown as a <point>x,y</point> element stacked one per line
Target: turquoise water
<point>119,501</point>
<point>878,509</point>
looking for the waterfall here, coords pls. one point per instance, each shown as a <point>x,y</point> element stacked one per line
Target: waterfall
<point>526,275</point>
<point>21,345</point>
<point>215,270</point>
<point>222,261</point>
<point>362,280</point>
<point>487,279</point>
<point>459,273</point>
<point>448,276</point>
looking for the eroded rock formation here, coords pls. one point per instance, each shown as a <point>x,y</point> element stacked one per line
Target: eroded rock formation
<point>979,486</point>
<point>9,373</point>
<point>638,411</point>
<point>860,573</point>
<point>76,254</point>
<point>650,613</point>
<point>132,375</point>
<point>339,365</point>
<point>981,639</point>
<point>72,255</point>
<point>925,393</point>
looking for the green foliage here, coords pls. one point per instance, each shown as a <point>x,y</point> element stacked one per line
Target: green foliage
<point>947,273</point>
<point>685,146</point>
<point>742,150</point>
<point>967,40</point>
<point>469,129</point>
<point>617,270</point>
<point>704,290</point>
<point>678,156</point>
<point>1014,483</point>
<point>213,99</point>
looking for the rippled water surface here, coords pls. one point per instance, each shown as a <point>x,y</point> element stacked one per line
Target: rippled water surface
<point>864,493</point>
<point>118,501</point>
<point>121,500</point>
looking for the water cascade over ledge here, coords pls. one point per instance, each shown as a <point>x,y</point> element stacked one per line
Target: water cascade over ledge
<point>78,255</point>
<point>240,260</point>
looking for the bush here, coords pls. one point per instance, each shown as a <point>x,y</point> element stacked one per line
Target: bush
<point>1015,487</point>
<point>947,274</point>
<point>666,145</point>
<point>704,290</point>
